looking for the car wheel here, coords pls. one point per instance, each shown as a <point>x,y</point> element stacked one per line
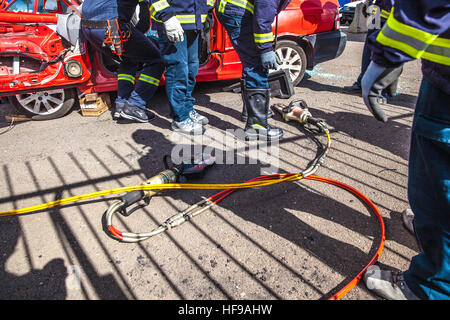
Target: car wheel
<point>293,58</point>
<point>44,105</point>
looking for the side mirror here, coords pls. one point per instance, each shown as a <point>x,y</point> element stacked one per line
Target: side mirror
<point>51,6</point>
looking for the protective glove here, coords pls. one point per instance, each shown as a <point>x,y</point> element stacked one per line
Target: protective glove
<point>174,30</point>
<point>270,60</point>
<point>376,78</point>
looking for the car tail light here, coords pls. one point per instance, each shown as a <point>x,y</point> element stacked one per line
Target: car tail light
<point>337,20</point>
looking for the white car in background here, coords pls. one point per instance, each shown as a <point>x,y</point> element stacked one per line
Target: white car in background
<point>347,12</point>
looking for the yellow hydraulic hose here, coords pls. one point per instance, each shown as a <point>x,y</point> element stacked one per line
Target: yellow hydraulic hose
<point>147,187</point>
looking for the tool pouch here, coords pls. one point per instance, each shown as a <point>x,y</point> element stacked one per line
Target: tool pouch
<point>115,36</point>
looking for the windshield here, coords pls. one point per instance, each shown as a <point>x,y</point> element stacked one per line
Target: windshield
<point>26,6</point>
<point>21,6</point>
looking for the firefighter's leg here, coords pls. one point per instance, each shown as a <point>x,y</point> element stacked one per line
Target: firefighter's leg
<point>256,95</point>
<point>429,194</point>
<point>126,79</point>
<point>140,49</point>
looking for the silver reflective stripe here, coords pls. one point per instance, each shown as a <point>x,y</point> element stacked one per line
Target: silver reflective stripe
<point>413,42</point>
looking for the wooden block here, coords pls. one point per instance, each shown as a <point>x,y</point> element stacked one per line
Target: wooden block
<point>17,118</point>
<point>91,107</point>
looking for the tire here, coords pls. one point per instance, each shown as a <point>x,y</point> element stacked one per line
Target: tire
<point>293,58</point>
<point>44,105</point>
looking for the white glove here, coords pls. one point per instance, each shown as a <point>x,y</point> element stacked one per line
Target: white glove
<point>174,30</point>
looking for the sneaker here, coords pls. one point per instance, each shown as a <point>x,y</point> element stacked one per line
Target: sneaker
<point>196,117</point>
<point>187,126</point>
<point>388,284</point>
<point>408,218</point>
<point>119,107</point>
<point>132,112</point>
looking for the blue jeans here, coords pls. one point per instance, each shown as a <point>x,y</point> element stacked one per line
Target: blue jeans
<point>181,67</point>
<point>240,32</point>
<point>428,275</point>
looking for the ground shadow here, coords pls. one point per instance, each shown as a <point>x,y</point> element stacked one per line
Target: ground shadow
<point>273,211</point>
<point>47,283</point>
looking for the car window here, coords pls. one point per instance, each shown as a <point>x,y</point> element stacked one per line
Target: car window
<point>21,6</point>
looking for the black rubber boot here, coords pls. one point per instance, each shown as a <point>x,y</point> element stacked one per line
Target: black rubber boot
<point>244,115</point>
<point>353,89</point>
<point>257,103</point>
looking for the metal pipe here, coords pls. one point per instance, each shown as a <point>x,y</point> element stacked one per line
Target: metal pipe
<point>25,17</point>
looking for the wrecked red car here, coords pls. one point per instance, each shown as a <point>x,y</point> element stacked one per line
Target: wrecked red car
<point>44,68</point>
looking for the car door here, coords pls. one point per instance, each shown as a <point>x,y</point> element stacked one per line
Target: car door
<point>39,70</point>
<point>33,56</point>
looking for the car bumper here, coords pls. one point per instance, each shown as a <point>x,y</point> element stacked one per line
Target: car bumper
<point>326,45</point>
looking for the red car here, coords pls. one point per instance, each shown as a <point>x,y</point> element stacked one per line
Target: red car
<point>43,73</point>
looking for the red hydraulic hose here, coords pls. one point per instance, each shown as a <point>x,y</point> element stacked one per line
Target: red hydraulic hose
<point>225,193</point>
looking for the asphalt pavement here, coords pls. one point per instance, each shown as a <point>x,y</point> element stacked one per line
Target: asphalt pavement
<point>296,240</point>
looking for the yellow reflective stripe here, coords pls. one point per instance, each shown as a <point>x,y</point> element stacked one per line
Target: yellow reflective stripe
<point>417,44</point>
<point>389,42</point>
<point>263,37</point>
<point>149,79</point>
<point>204,16</point>
<point>222,6</point>
<point>127,77</point>
<point>441,42</point>
<point>257,126</point>
<point>384,14</point>
<point>409,31</point>
<point>186,18</point>
<point>158,6</point>
<point>210,3</point>
<point>240,3</point>
<point>445,60</point>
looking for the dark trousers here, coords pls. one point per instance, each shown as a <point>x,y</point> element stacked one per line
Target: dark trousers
<point>240,31</point>
<point>428,275</point>
<point>366,56</point>
<point>139,53</point>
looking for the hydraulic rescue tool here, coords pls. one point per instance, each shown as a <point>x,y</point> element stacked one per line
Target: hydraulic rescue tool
<point>174,174</point>
<point>175,177</point>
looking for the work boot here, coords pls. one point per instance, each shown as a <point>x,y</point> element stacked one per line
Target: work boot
<point>244,114</point>
<point>188,126</point>
<point>132,112</point>
<point>353,89</point>
<point>388,284</point>
<point>197,117</point>
<point>257,105</point>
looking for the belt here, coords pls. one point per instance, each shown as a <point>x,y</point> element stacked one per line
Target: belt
<point>94,24</point>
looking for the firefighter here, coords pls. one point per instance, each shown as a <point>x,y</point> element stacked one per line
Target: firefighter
<point>249,27</point>
<point>179,24</point>
<point>106,25</point>
<point>419,30</point>
<point>376,20</point>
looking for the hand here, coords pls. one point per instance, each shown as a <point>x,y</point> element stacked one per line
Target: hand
<point>174,31</point>
<point>270,60</point>
<point>376,78</point>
